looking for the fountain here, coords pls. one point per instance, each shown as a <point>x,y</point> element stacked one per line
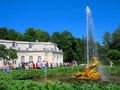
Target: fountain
<point>90,71</point>
<point>45,77</point>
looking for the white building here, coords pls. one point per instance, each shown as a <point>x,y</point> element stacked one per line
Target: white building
<point>34,51</point>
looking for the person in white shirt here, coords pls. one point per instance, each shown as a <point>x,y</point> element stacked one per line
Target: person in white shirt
<point>111,63</point>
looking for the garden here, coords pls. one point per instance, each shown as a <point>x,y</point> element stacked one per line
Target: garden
<point>34,79</point>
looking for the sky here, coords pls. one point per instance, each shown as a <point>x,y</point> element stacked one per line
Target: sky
<point>59,15</point>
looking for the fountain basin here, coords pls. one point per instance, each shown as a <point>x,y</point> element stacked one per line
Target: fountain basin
<point>67,78</point>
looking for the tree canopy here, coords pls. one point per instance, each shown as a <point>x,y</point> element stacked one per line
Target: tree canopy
<point>7,54</point>
<point>73,48</point>
<point>112,44</point>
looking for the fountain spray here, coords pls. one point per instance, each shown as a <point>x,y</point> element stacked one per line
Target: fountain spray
<point>91,44</point>
<point>88,14</point>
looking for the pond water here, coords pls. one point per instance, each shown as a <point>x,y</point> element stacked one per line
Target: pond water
<point>111,78</point>
<point>53,78</point>
<point>108,78</point>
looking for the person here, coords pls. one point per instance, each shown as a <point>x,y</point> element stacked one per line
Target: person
<point>23,65</point>
<point>74,63</point>
<point>111,63</point>
<point>11,66</point>
<point>51,66</point>
<point>19,67</point>
<point>36,66</point>
<point>7,67</point>
<point>4,68</point>
<point>33,65</point>
<point>46,64</point>
<point>26,66</point>
<point>43,65</point>
<point>39,64</point>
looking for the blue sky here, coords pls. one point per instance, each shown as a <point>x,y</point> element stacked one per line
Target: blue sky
<point>59,15</point>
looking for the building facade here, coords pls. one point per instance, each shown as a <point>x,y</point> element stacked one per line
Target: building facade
<point>34,52</point>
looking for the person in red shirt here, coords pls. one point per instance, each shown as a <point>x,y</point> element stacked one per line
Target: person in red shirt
<point>33,65</point>
<point>46,64</point>
<point>36,65</point>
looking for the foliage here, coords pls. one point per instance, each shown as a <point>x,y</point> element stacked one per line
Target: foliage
<point>73,48</point>
<point>35,35</point>
<point>113,54</point>
<point>25,74</point>
<point>7,53</point>
<point>112,44</point>
<point>116,39</point>
<point>112,70</point>
<point>12,35</point>
<point>12,54</point>
<point>29,34</point>
<point>41,36</point>
<point>17,80</point>
<point>3,33</point>
<point>3,52</point>
<point>107,38</point>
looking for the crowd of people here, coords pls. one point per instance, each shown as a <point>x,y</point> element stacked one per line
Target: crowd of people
<point>39,65</point>
<point>7,67</point>
<point>32,65</point>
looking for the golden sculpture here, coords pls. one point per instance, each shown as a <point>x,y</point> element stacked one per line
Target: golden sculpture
<point>90,71</point>
<point>46,80</point>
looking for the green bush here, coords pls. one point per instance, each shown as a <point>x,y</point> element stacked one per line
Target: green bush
<point>113,54</point>
<point>107,62</point>
<point>17,80</point>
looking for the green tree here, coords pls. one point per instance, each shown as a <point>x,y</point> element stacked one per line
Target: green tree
<point>66,38</point>
<point>80,48</point>
<point>3,52</point>
<point>113,54</point>
<point>19,36</point>
<point>7,54</point>
<point>12,54</point>
<point>72,47</point>
<point>3,33</point>
<point>102,51</point>
<point>116,39</point>
<point>29,35</point>
<point>107,39</point>
<point>41,36</point>
<point>11,35</point>
<point>63,41</point>
<point>56,38</point>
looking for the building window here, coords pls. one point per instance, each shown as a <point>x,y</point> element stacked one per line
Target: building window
<point>35,49</point>
<point>57,59</point>
<point>22,59</point>
<point>30,45</point>
<point>31,59</point>
<point>13,44</point>
<point>5,61</point>
<point>44,49</point>
<point>26,49</point>
<point>19,48</point>
<point>52,49</point>
<point>47,49</point>
<point>14,61</point>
